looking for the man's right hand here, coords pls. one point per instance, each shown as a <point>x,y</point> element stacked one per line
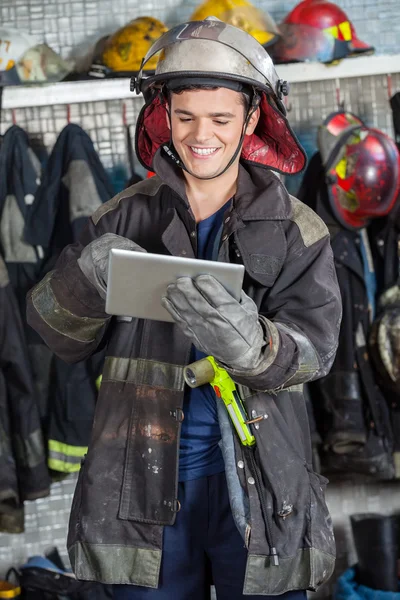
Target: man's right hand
<point>93,261</point>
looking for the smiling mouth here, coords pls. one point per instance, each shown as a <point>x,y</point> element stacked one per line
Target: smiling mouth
<point>203,151</point>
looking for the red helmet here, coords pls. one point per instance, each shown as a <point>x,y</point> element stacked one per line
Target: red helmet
<point>362,167</point>
<point>317,30</point>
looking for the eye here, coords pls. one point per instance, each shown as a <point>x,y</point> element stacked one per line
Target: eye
<point>182,120</point>
<point>221,122</point>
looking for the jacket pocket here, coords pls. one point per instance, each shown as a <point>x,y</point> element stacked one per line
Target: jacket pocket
<point>262,248</point>
<point>149,489</point>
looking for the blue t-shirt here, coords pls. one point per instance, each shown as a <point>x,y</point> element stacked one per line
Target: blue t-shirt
<point>199,453</point>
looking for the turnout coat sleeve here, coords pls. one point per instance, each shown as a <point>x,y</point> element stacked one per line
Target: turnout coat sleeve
<point>65,308</point>
<point>301,312</point>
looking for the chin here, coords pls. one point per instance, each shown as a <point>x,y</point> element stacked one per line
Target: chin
<point>204,171</point>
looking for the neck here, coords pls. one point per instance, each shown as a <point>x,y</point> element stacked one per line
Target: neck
<point>206,196</point>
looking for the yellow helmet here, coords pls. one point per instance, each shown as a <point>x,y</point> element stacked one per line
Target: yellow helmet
<point>125,48</point>
<point>242,14</point>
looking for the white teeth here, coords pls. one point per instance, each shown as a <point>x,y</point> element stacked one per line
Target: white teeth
<point>203,151</point>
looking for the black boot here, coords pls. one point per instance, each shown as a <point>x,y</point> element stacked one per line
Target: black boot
<point>375,539</point>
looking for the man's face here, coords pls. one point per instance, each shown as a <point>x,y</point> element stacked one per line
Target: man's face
<point>206,128</point>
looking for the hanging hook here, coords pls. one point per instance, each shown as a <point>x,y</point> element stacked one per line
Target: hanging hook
<point>389,85</point>
<point>68,114</point>
<point>124,119</point>
<point>339,101</point>
<point>14,119</point>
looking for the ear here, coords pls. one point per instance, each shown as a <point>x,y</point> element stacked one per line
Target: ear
<point>252,124</point>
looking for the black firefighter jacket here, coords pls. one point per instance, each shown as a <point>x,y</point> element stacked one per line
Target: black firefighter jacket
<point>351,411</point>
<point>73,186</point>
<point>23,470</point>
<point>121,504</point>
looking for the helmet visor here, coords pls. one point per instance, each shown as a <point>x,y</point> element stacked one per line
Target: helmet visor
<point>301,43</point>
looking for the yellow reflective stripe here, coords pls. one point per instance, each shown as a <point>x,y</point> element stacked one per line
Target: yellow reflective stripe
<point>333,31</point>
<point>62,466</point>
<point>81,329</point>
<point>345,30</point>
<point>341,168</point>
<point>64,457</point>
<point>98,381</point>
<point>66,449</point>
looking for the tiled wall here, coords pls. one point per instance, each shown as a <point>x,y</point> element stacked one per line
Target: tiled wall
<point>68,26</point>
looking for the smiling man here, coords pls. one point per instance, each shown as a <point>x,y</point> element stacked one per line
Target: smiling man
<point>168,500</point>
<point>207,128</point>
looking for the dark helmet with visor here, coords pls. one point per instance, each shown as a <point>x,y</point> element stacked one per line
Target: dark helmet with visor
<point>214,53</point>
<point>362,167</point>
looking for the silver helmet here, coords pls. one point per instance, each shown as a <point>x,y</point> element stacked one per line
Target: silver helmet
<point>215,53</point>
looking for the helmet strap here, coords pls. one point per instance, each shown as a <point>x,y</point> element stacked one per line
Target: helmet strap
<point>174,157</point>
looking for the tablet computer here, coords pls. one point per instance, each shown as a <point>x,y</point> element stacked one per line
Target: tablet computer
<point>138,280</point>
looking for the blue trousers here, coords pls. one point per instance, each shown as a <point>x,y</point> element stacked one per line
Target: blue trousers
<point>203,545</point>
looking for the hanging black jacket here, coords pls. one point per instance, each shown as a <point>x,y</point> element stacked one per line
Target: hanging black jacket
<point>23,470</point>
<point>20,173</point>
<point>73,186</point>
<point>353,418</point>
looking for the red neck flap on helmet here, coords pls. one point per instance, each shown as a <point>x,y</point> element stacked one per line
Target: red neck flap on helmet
<point>272,145</point>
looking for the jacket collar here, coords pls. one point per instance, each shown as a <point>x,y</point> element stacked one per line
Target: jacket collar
<point>260,194</point>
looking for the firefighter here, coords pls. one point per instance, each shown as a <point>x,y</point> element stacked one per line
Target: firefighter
<point>168,499</point>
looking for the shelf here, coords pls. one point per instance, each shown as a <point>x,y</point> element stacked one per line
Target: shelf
<point>117,89</point>
<point>360,66</point>
<point>69,92</point>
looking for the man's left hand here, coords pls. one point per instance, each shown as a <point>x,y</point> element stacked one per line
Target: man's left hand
<point>217,324</point>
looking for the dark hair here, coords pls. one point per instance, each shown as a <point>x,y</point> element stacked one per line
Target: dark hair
<point>245,100</point>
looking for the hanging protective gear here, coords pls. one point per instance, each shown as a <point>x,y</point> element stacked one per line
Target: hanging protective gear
<point>211,52</point>
<point>242,14</point>
<point>317,30</point>
<point>362,167</point>
<point>124,50</point>
<point>23,60</point>
<point>352,413</point>
<point>13,45</point>
<point>385,340</point>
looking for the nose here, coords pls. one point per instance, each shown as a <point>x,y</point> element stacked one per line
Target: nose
<point>202,130</point>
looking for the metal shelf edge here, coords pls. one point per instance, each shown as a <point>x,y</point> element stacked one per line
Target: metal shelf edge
<point>117,89</point>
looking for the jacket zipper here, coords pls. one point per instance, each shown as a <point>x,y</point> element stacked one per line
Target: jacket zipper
<point>267,523</point>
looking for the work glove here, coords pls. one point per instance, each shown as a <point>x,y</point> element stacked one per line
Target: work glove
<point>93,261</point>
<point>216,323</point>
